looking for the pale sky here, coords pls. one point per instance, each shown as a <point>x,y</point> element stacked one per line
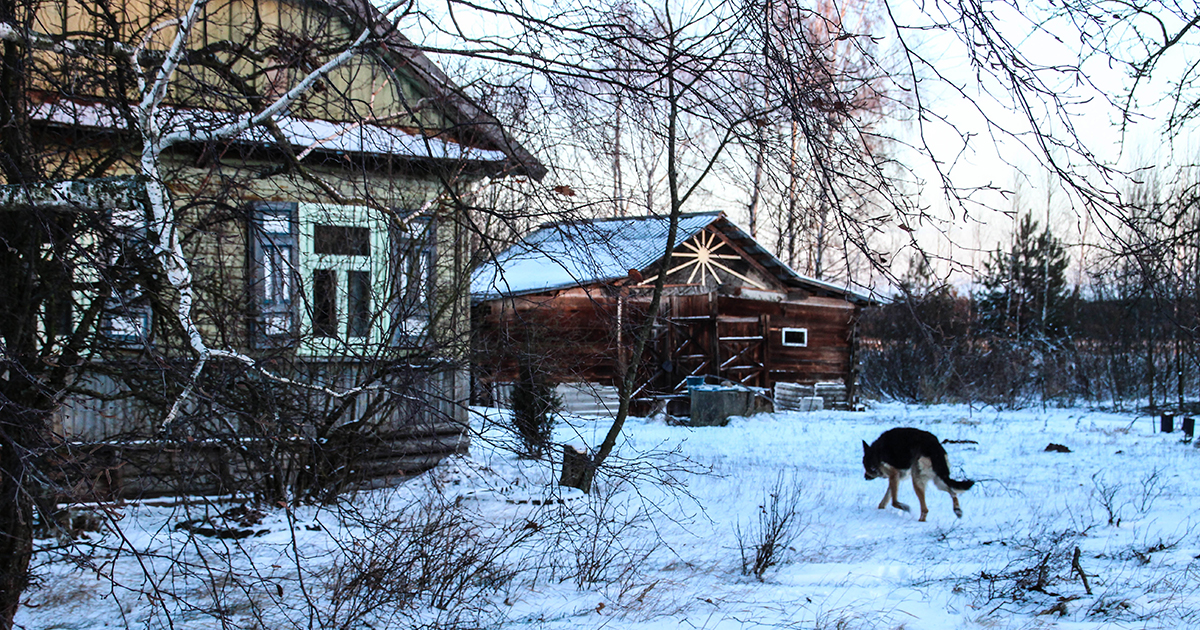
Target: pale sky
<point>990,158</point>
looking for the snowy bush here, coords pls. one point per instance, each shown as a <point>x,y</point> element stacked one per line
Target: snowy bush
<point>430,559</point>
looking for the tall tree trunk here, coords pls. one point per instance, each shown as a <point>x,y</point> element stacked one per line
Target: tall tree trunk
<point>23,419</point>
<point>1151,376</point>
<point>791,214</point>
<point>618,179</point>
<point>23,403</point>
<point>21,431</point>
<point>757,192</point>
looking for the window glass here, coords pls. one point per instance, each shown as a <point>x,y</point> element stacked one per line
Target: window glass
<point>358,322</point>
<point>273,275</point>
<point>324,302</point>
<point>795,336</point>
<point>412,280</point>
<point>340,240</point>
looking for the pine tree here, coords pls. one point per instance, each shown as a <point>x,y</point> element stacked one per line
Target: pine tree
<point>1025,292</point>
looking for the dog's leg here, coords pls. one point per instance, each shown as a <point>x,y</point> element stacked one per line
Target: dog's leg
<point>942,485</point>
<point>887,494</point>
<point>894,489</point>
<point>919,488</point>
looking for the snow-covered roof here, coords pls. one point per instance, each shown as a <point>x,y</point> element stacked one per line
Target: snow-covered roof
<point>319,135</point>
<point>577,253</point>
<point>574,253</point>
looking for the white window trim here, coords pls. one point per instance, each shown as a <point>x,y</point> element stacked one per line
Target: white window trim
<point>783,335</point>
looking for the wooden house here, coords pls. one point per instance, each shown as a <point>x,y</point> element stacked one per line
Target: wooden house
<point>569,296</point>
<point>323,245</point>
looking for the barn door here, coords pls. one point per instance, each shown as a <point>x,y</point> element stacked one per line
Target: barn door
<point>702,342</point>
<point>740,349</point>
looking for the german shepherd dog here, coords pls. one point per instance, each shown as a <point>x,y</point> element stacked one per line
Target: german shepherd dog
<point>900,451</point>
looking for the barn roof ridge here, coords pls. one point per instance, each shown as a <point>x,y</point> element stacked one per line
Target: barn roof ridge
<point>564,254</point>
<point>642,217</point>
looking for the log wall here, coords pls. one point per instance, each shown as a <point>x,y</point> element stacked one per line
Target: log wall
<point>583,335</point>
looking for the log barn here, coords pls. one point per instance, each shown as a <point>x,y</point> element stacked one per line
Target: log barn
<point>568,298</point>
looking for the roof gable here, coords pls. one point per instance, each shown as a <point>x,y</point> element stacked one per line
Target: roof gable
<point>387,100</point>
<point>601,251</point>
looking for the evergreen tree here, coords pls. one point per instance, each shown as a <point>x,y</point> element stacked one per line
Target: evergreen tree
<point>535,406</point>
<point>1025,294</point>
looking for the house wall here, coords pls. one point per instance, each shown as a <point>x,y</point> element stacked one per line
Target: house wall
<point>296,36</point>
<point>118,447</point>
<point>829,322</point>
<point>571,335</point>
<point>217,241</point>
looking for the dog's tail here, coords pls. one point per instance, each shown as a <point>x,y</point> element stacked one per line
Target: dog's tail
<point>941,468</point>
<point>961,486</point>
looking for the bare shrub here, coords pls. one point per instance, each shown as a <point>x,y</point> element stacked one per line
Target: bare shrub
<point>780,520</point>
<point>1112,497</point>
<point>1153,486</point>
<point>1042,561</point>
<point>431,559</point>
<point>600,539</point>
<point>1106,493</point>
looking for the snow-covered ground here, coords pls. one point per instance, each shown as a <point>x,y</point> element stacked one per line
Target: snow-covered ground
<point>489,541</point>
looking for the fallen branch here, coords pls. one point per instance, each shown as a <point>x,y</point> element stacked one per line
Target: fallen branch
<point>1079,569</point>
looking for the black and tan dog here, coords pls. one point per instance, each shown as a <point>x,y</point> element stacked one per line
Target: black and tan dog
<point>899,452</point>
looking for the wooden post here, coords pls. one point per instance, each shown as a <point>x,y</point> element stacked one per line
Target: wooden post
<point>715,312</point>
<point>853,369</point>
<point>577,470</point>
<point>765,323</point>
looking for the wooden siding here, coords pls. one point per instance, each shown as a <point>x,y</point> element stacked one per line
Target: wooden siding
<point>576,335</point>
<point>217,244</point>
<point>119,448</point>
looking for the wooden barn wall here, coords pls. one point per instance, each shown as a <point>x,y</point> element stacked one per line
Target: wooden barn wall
<point>830,325</point>
<point>573,336</point>
<point>570,336</point>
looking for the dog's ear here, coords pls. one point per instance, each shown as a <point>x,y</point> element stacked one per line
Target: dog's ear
<point>865,446</point>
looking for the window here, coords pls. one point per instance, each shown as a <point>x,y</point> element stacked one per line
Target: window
<point>273,271</point>
<point>324,307</point>
<point>358,315</point>
<point>342,250</point>
<point>126,317</point>
<point>795,337</point>
<point>412,280</point>
<point>341,241</point>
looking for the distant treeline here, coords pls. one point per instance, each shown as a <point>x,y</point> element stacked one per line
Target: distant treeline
<point>937,349</point>
<point>1026,337</point>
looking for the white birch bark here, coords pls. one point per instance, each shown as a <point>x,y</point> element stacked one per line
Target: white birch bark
<point>161,219</point>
